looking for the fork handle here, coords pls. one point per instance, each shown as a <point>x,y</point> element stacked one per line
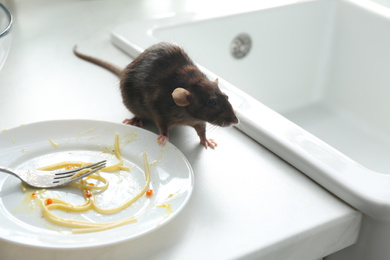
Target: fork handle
<point>21,174</point>
<point>9,171</point>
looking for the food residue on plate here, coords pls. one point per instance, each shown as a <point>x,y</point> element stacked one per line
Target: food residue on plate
<point>167,207</point>
<point>149,193</point>
<point>91,187</point>
<point>41,200</point>
<point>87,132</point>
<point>53,143</point>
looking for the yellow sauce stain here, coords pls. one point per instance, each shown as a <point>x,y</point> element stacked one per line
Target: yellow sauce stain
<point>167,207</point>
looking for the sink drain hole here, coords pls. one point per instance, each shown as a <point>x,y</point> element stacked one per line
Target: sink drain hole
<point>240,46</point>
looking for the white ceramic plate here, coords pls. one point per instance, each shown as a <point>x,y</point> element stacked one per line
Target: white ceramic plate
<point>29,146</point>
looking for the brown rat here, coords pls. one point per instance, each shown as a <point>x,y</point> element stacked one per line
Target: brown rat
<point>165,86</point>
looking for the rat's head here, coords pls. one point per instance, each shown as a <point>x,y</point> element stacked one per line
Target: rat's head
<point>205,101</point>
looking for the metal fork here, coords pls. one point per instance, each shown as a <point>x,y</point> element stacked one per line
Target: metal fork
<point>52,179</point>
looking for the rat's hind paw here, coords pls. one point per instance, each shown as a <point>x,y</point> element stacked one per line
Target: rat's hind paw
<point>162,139</point>
<point>135,121</point>
<point>209,143</point>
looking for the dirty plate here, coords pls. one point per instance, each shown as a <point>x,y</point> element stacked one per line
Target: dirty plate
<point>34,145</point>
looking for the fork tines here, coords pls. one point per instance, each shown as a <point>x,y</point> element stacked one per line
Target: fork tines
<point>94,167</point>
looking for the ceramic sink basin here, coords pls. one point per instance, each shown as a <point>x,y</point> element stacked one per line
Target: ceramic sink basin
<point>314,86</point>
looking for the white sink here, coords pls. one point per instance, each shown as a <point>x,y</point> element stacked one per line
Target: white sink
<point>314,87</point>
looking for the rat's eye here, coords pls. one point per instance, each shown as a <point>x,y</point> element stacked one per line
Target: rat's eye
<point>211,103</point>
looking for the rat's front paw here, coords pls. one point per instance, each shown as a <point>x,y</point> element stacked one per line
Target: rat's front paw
<point>209,143</point>
<point>162,139</point>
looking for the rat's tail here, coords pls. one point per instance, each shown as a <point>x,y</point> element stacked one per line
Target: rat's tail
<point>111,67</point>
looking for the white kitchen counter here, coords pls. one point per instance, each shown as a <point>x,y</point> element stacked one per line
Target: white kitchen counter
<point>247,202</point>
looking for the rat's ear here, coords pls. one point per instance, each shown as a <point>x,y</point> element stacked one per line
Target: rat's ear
<point>181,97</point>
<point>216,81</point>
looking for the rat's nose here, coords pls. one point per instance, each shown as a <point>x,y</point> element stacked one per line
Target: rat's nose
<point>231,120</point>
<point>234,120</point>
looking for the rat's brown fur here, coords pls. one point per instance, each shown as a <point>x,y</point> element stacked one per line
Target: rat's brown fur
<point>148,84</point>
